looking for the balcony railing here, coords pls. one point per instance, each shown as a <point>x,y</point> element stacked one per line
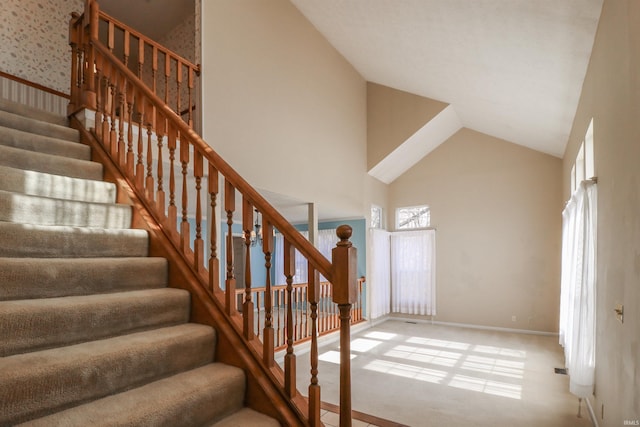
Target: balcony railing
<point>328,314</point>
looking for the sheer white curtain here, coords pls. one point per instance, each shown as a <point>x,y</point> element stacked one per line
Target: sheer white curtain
<point>379,280</point>
<point>327,240</point>
<point>578,288</point>
<point>413,272</point>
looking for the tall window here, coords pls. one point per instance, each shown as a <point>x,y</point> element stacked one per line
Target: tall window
<point>584,165</point>
<point>413,217</point>
<point>578,280</point>
<point>376,216</point>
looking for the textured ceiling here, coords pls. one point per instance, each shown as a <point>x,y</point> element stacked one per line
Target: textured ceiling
<point>510,68</point>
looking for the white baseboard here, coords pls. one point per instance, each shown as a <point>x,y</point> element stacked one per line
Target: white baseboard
<point>468,325</point>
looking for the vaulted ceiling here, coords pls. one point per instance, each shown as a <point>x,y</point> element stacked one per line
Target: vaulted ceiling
<point>512,69</point>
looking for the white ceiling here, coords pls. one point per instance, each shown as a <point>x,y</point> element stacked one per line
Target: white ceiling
<point>510,68</point>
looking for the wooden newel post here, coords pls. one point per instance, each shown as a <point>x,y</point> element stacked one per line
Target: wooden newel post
<point>92,21</point>
<point>345,293</point>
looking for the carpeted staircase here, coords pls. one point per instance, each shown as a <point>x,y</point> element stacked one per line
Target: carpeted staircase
<point>90,334</point>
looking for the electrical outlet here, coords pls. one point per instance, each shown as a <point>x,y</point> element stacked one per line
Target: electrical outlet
<point>514,318</point>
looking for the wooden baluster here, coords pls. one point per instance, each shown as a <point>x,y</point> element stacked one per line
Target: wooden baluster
<point>257,315</point>
<point>345,267</point>
<point>190,92</point>
<point>230,283</point>
<point>154,70</point>
<point>106,105</point>
<point>276,297</point>
<point>214,262</point>
<point>140,57</point>
<point>150,116</point>
<point>121,88</point>
<point>247,307</point>
<point>178,86</point>
<point>289,358</point>
<point>113,137</point>
<point>111,36</point>
<point>198,244</point>
<point>299,335</point>
<point>130,155</point>
<point>267,335</point>
<point>172,211</point>
<point>185,233</point>
<point>140,164</point>
<point>99,95</point>
<point>161,130</point>
<point>325,309</point>
<point>126,47</point>
<point>313,297</point>
<point>167,74</point>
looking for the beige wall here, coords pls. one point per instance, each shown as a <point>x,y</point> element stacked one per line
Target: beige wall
<point>392,117</point>
<point>282,106</point>
<point>496,207</point>
<point>34,36</point>
<point>611,95</point>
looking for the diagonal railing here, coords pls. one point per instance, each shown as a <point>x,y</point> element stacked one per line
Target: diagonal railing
<point>179,176</point>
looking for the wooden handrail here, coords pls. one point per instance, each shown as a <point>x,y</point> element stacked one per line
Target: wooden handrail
<point>237,181</point>
<point>119,24</point>
<point>166,163</point>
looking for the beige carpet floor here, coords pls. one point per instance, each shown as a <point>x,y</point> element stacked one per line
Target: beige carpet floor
<point>425,375</point>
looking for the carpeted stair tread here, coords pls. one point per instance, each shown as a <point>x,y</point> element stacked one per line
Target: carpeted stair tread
<point>247,417</point>
<point>24,278</point>
<point>31,112</point>
<point>35,324</point>
<point>192,398</point>
<point>48,241</point>
<point>40,383</point>
<point>39,127</point>
<point>56,186</point>
<point>43,144</point>
<point>27,209</point>
<point>47,163</point>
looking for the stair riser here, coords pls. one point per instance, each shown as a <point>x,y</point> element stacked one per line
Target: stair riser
<point>56,186</point>
<point>43,144</point>
<point>32,113</point>
<point>25,278</point>
<point>37,384</point>
<point>31,325</point>
<point>56,165</point>
<point>24,209</point>
<point>25,124</point>
<point>25,240</point>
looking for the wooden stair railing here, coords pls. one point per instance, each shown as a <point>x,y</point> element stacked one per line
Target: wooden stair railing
<point>169,167</point>
<point>327,311</point>
<point>170,76</point>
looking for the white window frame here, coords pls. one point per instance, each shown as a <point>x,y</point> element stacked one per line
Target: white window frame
<point>380,223</point>
<point>428,213</point>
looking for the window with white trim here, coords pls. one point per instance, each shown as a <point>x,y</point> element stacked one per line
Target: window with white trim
<point>584,165</point>
<point>413,217</point>
<point>376,216</point>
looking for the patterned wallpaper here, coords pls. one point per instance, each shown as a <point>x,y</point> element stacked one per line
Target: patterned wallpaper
<point>34,40</point>
<point>182,39</point>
